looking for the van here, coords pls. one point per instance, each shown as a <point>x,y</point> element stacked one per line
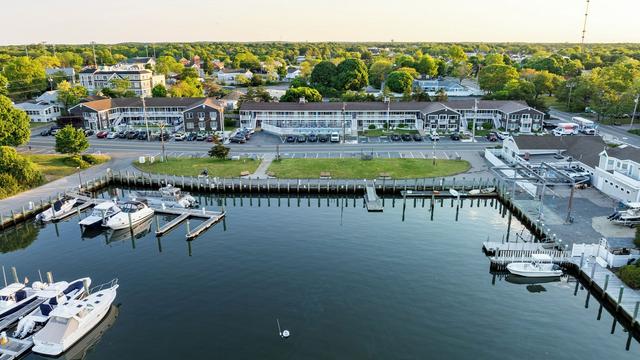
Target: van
<point>335,137</point>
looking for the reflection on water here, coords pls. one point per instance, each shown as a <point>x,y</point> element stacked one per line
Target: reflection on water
<point>137,232</point>
<point>19,237</point>
<point>350,284</point>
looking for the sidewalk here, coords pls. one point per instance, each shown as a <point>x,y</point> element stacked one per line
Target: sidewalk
<point>261,171</point>
<point>59,186</point>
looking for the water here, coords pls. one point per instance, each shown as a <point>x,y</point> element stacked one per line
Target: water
<point>348,284</point>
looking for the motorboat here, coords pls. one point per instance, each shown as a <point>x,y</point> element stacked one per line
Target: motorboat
<point>72,320</point>
<point>628,216</point>
<point>540,266</point>
<point>17,296</point>
<point>55,294</point>
<point>80,349</point>
<point>132,213</point>
<point>57,209</point>
<point>100,215</point>
<point>136,232</point>
<point>168,196</point>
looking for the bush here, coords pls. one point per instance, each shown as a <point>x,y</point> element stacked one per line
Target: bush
<point>77,161</point>
<point>402,126</point>
<point>372,127</point>
<point>487,125</point>
<point>90,159</point>
<point>20,168</point>
<point>8,186</point>
<point>636,240</point>
<point>230,123</point>
<point>630,274</point>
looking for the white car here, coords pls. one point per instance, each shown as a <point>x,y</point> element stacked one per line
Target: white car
<point>112,135</point>
<point>335,137</point>
<point>434,136</point>
<point>179,136</point>
<point>502,135</point>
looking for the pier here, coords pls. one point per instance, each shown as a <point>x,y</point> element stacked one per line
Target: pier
<point>372,200</point>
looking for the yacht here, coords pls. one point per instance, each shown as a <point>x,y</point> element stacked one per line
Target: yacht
<point>55,294</point>
<point>628,216</point>
<point>14,297</point>
<point>169,196</point>
<point>100,215</point>
<point>59,208</point>
<point>80,349</point>
<point>132,213</point>
<point>540,266</point>
<point>72,320</point>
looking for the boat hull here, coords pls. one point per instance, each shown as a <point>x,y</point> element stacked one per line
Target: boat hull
<point>524,270</point>
<point>121,221</point>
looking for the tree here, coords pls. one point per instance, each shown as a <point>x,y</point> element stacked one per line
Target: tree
<point>494,59</point>
<point>399,81</point>
<point>213,89</point>
<point>461,71</point>
<point>404,60</point>
<point>159,91</point>
<point>70,140</point>
<point>119,88</point>
<point>19,167</point>
<point>70,59</point>
<point>442,67</point>
<point>441,95</point>
<point>258,94</point>
<point>427,66</point>
<point>295,94</point>
<point>189,72</point>
<point>379,71</point>
<point>219,151</point>
<point>242,80</point>
<point>246,60</point>
<point>25,77</point>
<point>70,95</point>
<point>4,84</point>
<point>14,124</point>
<point>494,77</point>
<point>456,54</point>
<point>420,95</point>
<point>47,61</point>
<point>352,75</point>
<point>189,87</point>
<point>411,71</point>
<point>167,65</point>
<point>357,96</point>
<point>324,74</point>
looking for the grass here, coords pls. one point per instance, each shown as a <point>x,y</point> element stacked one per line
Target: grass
<point>366,169</point>
<point>194,167</point>
<point>54,167</point>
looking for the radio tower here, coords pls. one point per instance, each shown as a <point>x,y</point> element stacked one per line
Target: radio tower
<point>584,26</point>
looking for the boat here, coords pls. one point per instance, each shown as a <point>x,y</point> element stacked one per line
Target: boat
<point>136,232</point>
<point>58,208</point>
<point>132,213</point>
<point>71,321</point>
<point>14,297</point>
<point>167,196</point>
<point>100,215</point>
<point>55,294</point>
<point>80,349</point>
<point>628,216</point>
<point>540,266</point>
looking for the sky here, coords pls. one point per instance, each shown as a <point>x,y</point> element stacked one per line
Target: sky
<point>114,21</point>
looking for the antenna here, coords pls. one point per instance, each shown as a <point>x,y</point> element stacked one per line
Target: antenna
<point>584,26</point>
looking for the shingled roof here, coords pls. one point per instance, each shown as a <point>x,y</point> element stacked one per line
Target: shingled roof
<point>583,148</point>
<point>106,104</point>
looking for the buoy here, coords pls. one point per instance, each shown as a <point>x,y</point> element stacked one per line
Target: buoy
<point>285,334</point>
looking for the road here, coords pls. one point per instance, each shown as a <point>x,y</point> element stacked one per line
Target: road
<point>614,132</point>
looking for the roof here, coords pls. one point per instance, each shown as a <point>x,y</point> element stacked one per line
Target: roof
<point>68,71</point>
<point>291,69</point>
<point>34,105</point>
<point>50,96</point>
<point>106,104</point>
<point>88,70</point>
<point>625,153</point>
<point>139,60</point>
<point>123,71</point>
<point>234,71</point>
<point>585,149</point>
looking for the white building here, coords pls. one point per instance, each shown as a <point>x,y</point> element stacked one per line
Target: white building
<point>292,73</point>
<point>618,173</point>
<point>230,76</point>
<point>450,87</point>
<point>40,111</point>
<point>141,80</point>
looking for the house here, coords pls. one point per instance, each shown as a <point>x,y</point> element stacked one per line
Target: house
<point>292,73</point>
<point>145,62</point>
<point>230,76</point>
<point>50,97</point>
<point>451,87</point>
<point>618,173</point>
<point>300,59</point>
<point>40,111</point>
<point>182,114</point>
<point>59,74</point>
<point>230,100</point>
<point>141,80</point>
<point>217,65</point>
<point>444,117</point>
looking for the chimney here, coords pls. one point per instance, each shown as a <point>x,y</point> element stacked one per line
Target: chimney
<point>303,100</point>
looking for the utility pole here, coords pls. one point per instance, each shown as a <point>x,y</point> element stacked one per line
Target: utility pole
<point>26,50</point>
<point>162,125</point>
<point>570,85</point>
<point>54,49</point>
<point>95,59</point>
<point>475,117</point>
<point>144,114</point>
<point>344,108</point>
<point>635,108</point>
<point>153,45</point>
<point>146,47</point>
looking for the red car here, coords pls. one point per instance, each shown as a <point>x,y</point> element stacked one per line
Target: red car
<point>102,134</point>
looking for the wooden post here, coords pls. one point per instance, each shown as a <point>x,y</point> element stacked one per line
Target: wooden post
<point>188,227</point>
<point>593,271</point>
<point>606,284</point>
<point>635,313</point>
<point>130,224</point>
<point>620,298</point>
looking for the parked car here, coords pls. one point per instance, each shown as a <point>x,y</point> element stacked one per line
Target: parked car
<point>179,136</point>
<point>192,136</point>
<point>202,136</point>
<point>301,138</point>
<point>291,138</point>
<point>142,135</point>
<point>54,131</point>
<point>103,134</point>
<point>492,137</point>
<point>502,135</point>
<point>112,135</point>
<point>132,134</point>
<point>335,137</point>
<point>312,138</point>
<point>417,137</point>
<point>323,137</point>
<point>239,139</point>
<point>45,132</point>
<point>405,137</point>
<point>434,136</point>
<point>454,136</point>
<point>122,134</point>
<point>165,135</point>
<point>210,138</point>
<point>395,137</point>
<point>88,132</point>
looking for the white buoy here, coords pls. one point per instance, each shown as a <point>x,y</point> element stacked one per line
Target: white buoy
<point>283,333</point>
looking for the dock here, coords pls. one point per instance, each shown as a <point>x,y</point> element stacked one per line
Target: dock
<point>15,348</point>
<point>13,318</point>
<point>491,247</point>
<point>372,199</point>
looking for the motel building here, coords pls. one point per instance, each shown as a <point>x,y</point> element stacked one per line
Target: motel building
<point>282,118</point>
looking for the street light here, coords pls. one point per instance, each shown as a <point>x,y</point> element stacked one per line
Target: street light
<point>79,178</point>
<point>635,108</point>
<point>162,125</point>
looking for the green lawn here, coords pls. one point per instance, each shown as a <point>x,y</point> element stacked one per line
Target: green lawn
<point>366,169</point>
<point>194,167</point>
<point>57,166</point>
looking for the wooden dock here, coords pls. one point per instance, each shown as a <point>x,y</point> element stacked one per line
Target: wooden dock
<point>372,200</point>
<point>171,224</point>
<point>490,247</point>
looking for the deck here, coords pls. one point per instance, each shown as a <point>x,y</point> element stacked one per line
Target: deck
<point>372,199</point>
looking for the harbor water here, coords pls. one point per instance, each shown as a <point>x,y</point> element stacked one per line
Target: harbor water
<point>406,283</point>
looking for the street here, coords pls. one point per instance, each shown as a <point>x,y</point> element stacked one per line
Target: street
<point>609,132</point>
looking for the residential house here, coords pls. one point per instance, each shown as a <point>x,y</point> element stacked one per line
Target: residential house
<point>618,173</point>
<point>293,73</point>
<point>145,62</point>
<point>40,111</point>
<point>141,80</point>
<point>230,100</point>
<point>230,76</point>
<point>184,114</point>
<point>451,87</point>
<point>59,74</point>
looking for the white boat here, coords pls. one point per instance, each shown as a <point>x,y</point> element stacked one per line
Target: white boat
<point>74,319</point>
<point>100,215</point>
<point>57,293</point>
<point>169,196</point>
<point>132,213</point>
<point>540,266</point>
<point>14,297</point>
<point>629,216</point>
<point>80,350</point>
<point>59,208</point>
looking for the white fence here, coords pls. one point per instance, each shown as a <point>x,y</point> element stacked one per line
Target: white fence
<point>603,253</point>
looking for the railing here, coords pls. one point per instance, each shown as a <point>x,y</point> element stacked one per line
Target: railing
<point>106,285</point>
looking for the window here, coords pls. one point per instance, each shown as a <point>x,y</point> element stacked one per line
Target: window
<point>200,115</point>
<point>190,126</point>
<point>213,115</point>
<point>189,115</point>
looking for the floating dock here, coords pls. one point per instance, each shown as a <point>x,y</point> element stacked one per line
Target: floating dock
<point>15,348</point>
<point>490,247</point>
<point>372,199</point>
<point>13,318</point>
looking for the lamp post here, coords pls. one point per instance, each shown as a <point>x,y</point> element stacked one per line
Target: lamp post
<point>144,115</point>
<point>162,125</point>
<point>635,108</point>
<point>79,178</point>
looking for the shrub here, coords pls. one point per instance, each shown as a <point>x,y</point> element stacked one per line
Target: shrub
<point>402,126</point>
<point>20,168</point>
<point>372,126</point>
<point>90,159</point>
<point>630,274</point>
<point>8,186</point>
<point>487,125</point>
<point>77,161</point>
